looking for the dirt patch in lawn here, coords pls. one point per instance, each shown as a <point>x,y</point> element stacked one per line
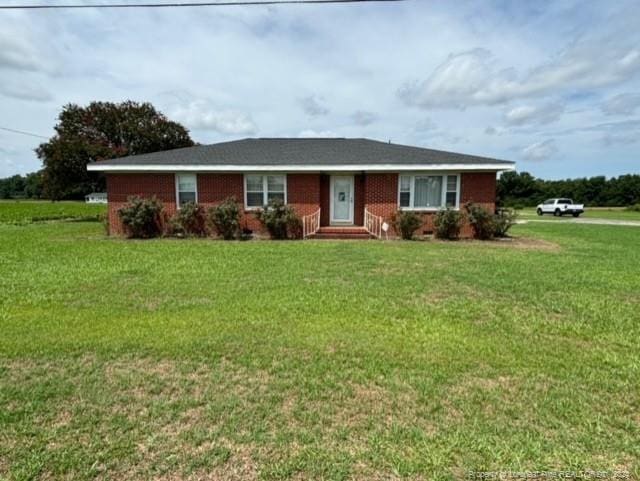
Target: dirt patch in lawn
<point>528,243</point>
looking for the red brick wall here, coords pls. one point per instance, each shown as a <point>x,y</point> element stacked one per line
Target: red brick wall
<point>358,207</point>
<point>122,186</point>
<point>479,188</point>
<point>214,188</point>
<point>381,196</point>
<point>305,192</point>
<point>325,193</point>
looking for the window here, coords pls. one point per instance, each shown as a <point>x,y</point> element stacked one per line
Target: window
<point>405,191</point>
<point>260,189</point>
<point>451,195</point>
<point>426,192</point>
<point>186,188</point>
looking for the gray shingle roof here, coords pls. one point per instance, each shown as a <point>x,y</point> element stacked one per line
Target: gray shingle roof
<point>306,151</point>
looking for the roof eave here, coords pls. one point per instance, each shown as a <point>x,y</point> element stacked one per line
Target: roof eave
<point>158,168</point>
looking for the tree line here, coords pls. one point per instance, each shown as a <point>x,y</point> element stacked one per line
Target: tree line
<point>523,189</point>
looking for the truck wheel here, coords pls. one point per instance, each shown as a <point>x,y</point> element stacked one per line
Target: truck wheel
<point>557,213</point>
<point>539,211</point>
<point>576,214</point>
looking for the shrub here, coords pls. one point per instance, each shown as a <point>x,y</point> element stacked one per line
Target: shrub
<point>189,220</point>
<point>481,221</point>
<point>280,220</point>
<point>634,208</point>
<point>503,220</point>
<point>448,223</point>
<point>406,223</point>
<point>142,218</point>
<point>224,218</point>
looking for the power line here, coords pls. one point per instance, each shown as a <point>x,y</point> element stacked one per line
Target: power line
<point>188,4</point>
<point>23,132</point>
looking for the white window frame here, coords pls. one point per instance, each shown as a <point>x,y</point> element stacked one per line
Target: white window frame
<point>444,175</point>
<point>177,182</point>
<point>265,188</point>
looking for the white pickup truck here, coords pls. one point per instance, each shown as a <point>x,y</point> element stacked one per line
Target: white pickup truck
<point>559,207</point>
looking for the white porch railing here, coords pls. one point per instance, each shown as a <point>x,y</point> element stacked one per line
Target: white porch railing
<point>310,224</point>
<point>373,224</point>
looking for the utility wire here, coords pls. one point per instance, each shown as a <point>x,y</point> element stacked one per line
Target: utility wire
<point>188,4</point>
<point>23,132</point>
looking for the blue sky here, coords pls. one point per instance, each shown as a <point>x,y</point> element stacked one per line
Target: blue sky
<point>554,86</point>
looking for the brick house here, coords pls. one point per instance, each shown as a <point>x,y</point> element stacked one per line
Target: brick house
<point>338,186</point>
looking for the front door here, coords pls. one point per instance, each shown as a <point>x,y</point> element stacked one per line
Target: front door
<point>342,199</point>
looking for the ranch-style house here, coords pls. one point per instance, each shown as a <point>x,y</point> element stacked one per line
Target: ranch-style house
<point>338,186</point>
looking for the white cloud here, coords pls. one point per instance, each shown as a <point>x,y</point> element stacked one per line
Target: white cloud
<point>201,115</point>
<point>533,114</point>
<point>540,151</point>
<point>313,106</point>
<point>310,133</point>
<point>246,69</point>
<point>621,104</point>
<point>476,77</point>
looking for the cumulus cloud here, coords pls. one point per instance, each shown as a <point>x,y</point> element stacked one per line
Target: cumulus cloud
<point>621,104</point>
<point>540,151</point>
<point>310,133</point>
<point>313,106</point>
<point>362,117</point>
<point>202,115</point>
<point>533,114</point>
<point>475,77</point>
<point>491,130</point>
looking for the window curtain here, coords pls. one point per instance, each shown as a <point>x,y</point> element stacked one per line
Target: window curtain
<point>428,191</point>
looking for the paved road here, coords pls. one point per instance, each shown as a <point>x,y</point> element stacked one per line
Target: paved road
<point>585,220</point>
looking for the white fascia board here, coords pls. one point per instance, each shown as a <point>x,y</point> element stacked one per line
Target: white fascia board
<point>302,168</point>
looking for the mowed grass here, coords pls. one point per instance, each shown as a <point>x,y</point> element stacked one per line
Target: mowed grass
<point>609,213</point>
<point>196,359</point>
<point>28,211</point>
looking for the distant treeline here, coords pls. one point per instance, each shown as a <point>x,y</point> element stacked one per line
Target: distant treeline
<point>523,189</point>
<point>28,186</point>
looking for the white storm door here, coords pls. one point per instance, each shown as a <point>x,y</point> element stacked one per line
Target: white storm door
<point>342,198</point>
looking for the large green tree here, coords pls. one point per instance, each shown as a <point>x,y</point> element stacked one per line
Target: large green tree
<point>102,130</point>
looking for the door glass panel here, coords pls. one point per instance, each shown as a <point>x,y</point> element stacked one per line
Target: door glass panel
<point>342,199</point>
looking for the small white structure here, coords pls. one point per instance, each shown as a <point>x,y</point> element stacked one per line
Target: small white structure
<point>96,198</point>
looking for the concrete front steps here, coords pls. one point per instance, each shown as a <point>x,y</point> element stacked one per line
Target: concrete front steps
<point>342,232</point>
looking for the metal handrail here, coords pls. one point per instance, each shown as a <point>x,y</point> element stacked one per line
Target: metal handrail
<point>373,224</point>
<point>310,224</point>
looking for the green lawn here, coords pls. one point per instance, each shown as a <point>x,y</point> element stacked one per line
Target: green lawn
<point>195,359</point>
<point>27,211</point>
<point>613,213</point>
